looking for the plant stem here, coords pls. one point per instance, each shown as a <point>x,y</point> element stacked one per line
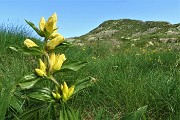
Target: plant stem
<point>54,80</point>
<point>48,63</point>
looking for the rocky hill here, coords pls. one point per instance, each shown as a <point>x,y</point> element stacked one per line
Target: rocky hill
<point>134,32</point>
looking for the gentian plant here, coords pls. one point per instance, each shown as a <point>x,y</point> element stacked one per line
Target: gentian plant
<point>52,103</point>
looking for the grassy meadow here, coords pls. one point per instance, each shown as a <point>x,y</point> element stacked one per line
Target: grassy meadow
<point>127,77</point>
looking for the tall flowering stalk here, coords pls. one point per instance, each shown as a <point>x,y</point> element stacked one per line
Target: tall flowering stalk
<point>51,63</point>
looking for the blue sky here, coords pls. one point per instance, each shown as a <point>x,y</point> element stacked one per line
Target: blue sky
<point>77,17</point>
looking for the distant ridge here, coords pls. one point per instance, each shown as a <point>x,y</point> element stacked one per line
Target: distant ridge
<point>132,30</point>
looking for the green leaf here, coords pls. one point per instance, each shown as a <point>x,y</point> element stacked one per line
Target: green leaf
<point>27,51</point>
<point>29,114</point>
<point>67,113</point>
<point>28,84</point>
<point>40,94</point>
<point>136,115</point>
<point>28,81</point>
<point>83,83</point>
<point>29,77</point>
<point>63,113</point>
<point>5,100</point>
<point>64,44</point>
<point>52,112</point>
<point>35,28</point>
<point>73,66</point>
<point>16,104</point>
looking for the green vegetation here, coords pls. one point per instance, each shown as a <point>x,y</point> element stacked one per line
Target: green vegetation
<point>129,73</point>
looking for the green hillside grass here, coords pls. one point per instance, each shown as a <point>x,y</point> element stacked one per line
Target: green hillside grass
<point>127,77</point>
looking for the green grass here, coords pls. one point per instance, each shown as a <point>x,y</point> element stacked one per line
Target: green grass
<point>126,78</point>
<point>127,81</point>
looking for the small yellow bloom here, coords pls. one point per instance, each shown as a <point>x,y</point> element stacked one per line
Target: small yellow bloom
<point>42,65</point>
<point>42,69</point>
<point>51,24</point>
<point>70,92</point>
<point>54,95</point>
<point>65,89</point>
<point>58,62</point>
<point>65,97</point>
<point>55,42</point>
<point>58,96</point>
<point>61,86</point>
<point>52,60</point>
<point>40,73</point>
<point>29,43</point>
<point>42,24</point>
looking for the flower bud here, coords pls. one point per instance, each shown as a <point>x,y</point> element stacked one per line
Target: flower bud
<point>61,87</point>
<point>70,91</point>
<point>58,96</point>
<point>29,43</point>
<point>40,73</point>
<point>52,60</point>
<point>42,65</point>
<point>42,24</point>
<point>55,42</point>
<point>65,89</point>
<point>65,97</point>
<point>54,95</point>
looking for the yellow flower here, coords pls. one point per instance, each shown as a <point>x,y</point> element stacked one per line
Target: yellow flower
<point>40,73</point>
<point>29,43</point>
<point>42,24</point>
<point>58,39</point>
<point>59,59</point>
<point>56,61</point>
<point>51,24</point>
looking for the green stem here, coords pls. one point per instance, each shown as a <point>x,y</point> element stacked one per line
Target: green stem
<point>54,80</point>
<point>48,63</point>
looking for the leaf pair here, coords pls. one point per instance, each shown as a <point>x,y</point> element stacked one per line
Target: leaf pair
<point>67,113</point>
<point>27,51</point>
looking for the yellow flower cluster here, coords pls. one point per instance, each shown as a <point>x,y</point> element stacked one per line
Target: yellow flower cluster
<point>49,29</point>
<point>55,63</point>
<point>66,92</point>
<point>53,39</point>
<point>50,25</point>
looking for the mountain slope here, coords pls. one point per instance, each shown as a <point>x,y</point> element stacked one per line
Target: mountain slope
<point>136,32</point>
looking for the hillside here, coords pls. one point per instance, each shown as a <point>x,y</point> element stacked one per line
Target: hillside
<point>134,32</point>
